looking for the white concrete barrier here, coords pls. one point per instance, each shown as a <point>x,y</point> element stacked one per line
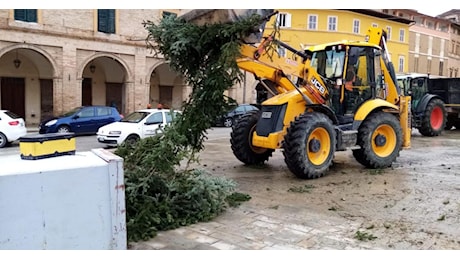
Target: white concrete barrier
<point>65,202</point>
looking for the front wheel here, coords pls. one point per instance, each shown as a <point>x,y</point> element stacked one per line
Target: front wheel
<point>241,140</point>
<point>309,145</point>
<point>63,129</point>
<point>228,122</point>
<point>434,118</point>
<point>132,139</point>
<point>380,140</point>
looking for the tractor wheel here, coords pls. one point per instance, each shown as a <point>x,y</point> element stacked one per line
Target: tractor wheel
<point>309,145</point>
<point>434,118</point>
<point>241,140</point>
<point>380,140</point>
<point>359,156</point>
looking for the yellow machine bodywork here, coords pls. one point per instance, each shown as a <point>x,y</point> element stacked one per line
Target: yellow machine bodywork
<point>326,98</point>
<point>280,69</point>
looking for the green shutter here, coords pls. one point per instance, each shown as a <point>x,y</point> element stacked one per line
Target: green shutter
<point>102,20</point>
<point>106,20</point>
<point>111,21</point>
<point>20,14</point>
<point>32,15</point>
<point>26,15</point>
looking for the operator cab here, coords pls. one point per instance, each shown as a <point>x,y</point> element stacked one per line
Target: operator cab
<point>414,85</point>
<point>353,75</point>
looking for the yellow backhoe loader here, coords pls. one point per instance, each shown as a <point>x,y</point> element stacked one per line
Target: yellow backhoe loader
<point>326,98</point>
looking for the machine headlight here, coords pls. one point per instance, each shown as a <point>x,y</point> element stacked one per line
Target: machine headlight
<point>52,122</point>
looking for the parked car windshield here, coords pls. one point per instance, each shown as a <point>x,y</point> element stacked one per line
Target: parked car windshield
<point>135,117</point>
<point>71,112</point>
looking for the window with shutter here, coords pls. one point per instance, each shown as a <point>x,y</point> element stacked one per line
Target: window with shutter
<point>26,15</point>
<point>106,20</point>
<point>283,20</point>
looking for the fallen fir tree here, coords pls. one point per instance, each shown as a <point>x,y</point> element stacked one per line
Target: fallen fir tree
<point>161,195</point>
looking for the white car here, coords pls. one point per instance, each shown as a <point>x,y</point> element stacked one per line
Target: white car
<point>137,125</point>
<point>12,127</point>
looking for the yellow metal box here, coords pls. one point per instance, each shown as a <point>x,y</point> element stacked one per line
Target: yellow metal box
<point>39,146</point>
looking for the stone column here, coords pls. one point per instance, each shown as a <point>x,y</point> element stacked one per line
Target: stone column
<point>71,85</point>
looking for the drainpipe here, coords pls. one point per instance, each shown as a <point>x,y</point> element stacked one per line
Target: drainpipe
<point>244,87</point>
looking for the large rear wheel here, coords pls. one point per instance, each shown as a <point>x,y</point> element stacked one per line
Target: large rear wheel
<point>380,140</point>
<point>434,119</point>
<point>241,140</point>
<point>309,145</point>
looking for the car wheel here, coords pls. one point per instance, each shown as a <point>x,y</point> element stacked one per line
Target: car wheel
<point>132,140</point>
<point>63,129</point>
<point>228,122</point>
<point>3,140</point>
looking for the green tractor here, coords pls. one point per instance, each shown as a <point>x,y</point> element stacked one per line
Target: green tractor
<point>435,102</point>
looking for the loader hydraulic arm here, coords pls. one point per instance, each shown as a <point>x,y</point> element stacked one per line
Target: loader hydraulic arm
<point>265,63</point>
<point>378,36</point>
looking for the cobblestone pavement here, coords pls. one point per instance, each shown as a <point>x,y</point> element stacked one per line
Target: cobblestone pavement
<point>351,208</point>
<point>250,227</point>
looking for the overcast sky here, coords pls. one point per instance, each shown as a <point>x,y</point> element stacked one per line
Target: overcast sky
<point>434,10</point>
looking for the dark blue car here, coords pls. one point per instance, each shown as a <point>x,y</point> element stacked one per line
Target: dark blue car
<point>229,118</point>
<point>81,120</point>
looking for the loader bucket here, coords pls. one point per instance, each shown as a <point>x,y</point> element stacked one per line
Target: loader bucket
<point>213,16</point>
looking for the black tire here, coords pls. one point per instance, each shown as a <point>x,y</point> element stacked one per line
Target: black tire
<point>380,141</point>
<point>434,118</point>
<point>309,145</point>
<point>3,140</point>
<point>449,124</point>
<point>228,122</point>
<point>63,129</point>
<point>359,156</point>
<point>132,139</point>
<point>241,140</point>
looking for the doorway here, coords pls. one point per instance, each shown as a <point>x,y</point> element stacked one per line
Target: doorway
<point>46,99</point>
<point>166,93</point>
<point>113,95</point>
<point>87,92</point>
<point>13,95</point>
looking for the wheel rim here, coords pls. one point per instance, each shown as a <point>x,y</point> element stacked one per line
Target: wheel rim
<point>228,122</point>
<point>63,130</point>
<point>436,118</point>
<point>318,146</point>
<point>383,140</point>
<point>2,140</point>
<point>131,141</point>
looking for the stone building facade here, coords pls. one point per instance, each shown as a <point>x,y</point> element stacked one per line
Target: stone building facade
<point>53,60</point>
<point>434,42</point>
